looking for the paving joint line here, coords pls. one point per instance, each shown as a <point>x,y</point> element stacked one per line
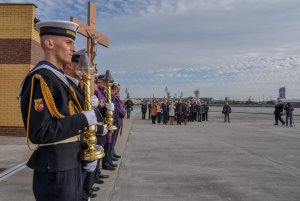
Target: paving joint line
<point>13,170</point>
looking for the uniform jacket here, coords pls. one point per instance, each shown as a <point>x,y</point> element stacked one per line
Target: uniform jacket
<point>46,129</point>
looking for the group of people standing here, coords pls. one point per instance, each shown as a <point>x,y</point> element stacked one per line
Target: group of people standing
<point>181,111</point>
<point>281,109</point>
<point>52,107</point>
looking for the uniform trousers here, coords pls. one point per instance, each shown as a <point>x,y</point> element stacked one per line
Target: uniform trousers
<point>100,141</point>
<point>59,186</point>
<point>107,158</point>
<point>87,184</point>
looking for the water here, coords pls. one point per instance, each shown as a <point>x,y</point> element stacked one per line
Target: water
<point>264,110</point>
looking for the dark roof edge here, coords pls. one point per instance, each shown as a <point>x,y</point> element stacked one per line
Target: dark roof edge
<point>18,4</point>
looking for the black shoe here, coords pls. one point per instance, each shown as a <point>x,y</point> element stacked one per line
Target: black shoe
<point>95,188</point>
<point>116,156</point>
<point>99,181</point>
<point>113,165</point>
<point>103,176</point>
<point>107,167</point>
<point>93,195</point>
<point>114,159</point>
<point>275,124</point>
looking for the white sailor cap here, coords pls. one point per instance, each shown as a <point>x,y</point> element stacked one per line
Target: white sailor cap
<point>76,55</point>
<point>58,28</point>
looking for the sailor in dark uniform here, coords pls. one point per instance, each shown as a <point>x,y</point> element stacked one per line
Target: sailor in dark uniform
<point>50,118</point>
<point>75,81</point>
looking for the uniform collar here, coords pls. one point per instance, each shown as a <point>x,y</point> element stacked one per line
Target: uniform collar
<point>74,80</point>
<point>44,62</point>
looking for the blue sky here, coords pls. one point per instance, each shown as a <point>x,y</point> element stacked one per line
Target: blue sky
<point>236,48</point>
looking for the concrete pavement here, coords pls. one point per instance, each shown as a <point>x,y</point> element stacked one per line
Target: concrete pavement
<point>248,160</point>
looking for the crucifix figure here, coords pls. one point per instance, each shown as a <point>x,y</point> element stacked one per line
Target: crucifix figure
<point>89,30</point>
<point>93,37</point>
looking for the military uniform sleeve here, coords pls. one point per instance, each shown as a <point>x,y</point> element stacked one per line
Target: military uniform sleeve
<point>43,128</point>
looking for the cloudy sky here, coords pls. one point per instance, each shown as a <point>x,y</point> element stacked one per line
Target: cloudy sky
<point>236,48</point>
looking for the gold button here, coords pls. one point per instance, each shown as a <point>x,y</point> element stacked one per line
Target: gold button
<point>79,131</point>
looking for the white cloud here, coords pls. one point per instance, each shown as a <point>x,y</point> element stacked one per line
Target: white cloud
<point>236,47</point>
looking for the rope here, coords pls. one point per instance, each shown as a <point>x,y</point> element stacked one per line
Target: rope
<point>28,118</point>
<point>50,104</point>
<point>73,94</point>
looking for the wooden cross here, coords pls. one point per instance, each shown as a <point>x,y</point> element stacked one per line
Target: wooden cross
<point>89,30</point>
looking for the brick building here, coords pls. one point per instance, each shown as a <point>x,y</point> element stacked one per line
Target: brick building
<point>19,51</point>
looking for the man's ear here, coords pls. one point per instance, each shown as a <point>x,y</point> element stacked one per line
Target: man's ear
<point>49,43</point>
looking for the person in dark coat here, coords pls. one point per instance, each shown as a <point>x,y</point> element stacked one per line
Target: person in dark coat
<point>226,111</point>
<point>149,108</point>
<point>144,110</point>
<point>200,111</point>
<point>100,92</point>
<point>118,116</point>
<point>205,114</point>
<point>194,109</point>
<point>165,112</point>
<point>128,107</point>
<point>278,112</point>
<point>179,112</point>
<point>75,82</point>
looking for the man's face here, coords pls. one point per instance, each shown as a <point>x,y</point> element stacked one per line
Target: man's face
<point>114,91</point>
<point>63,49</point>
<point>100,84</point>
<point>118,90</point>
<point>71,67</point>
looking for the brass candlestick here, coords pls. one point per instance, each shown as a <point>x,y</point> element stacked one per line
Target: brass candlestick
<point>85,70</point>
<point>109,114</point>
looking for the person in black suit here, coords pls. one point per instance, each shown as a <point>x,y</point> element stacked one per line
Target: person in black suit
<point>278,112</point>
